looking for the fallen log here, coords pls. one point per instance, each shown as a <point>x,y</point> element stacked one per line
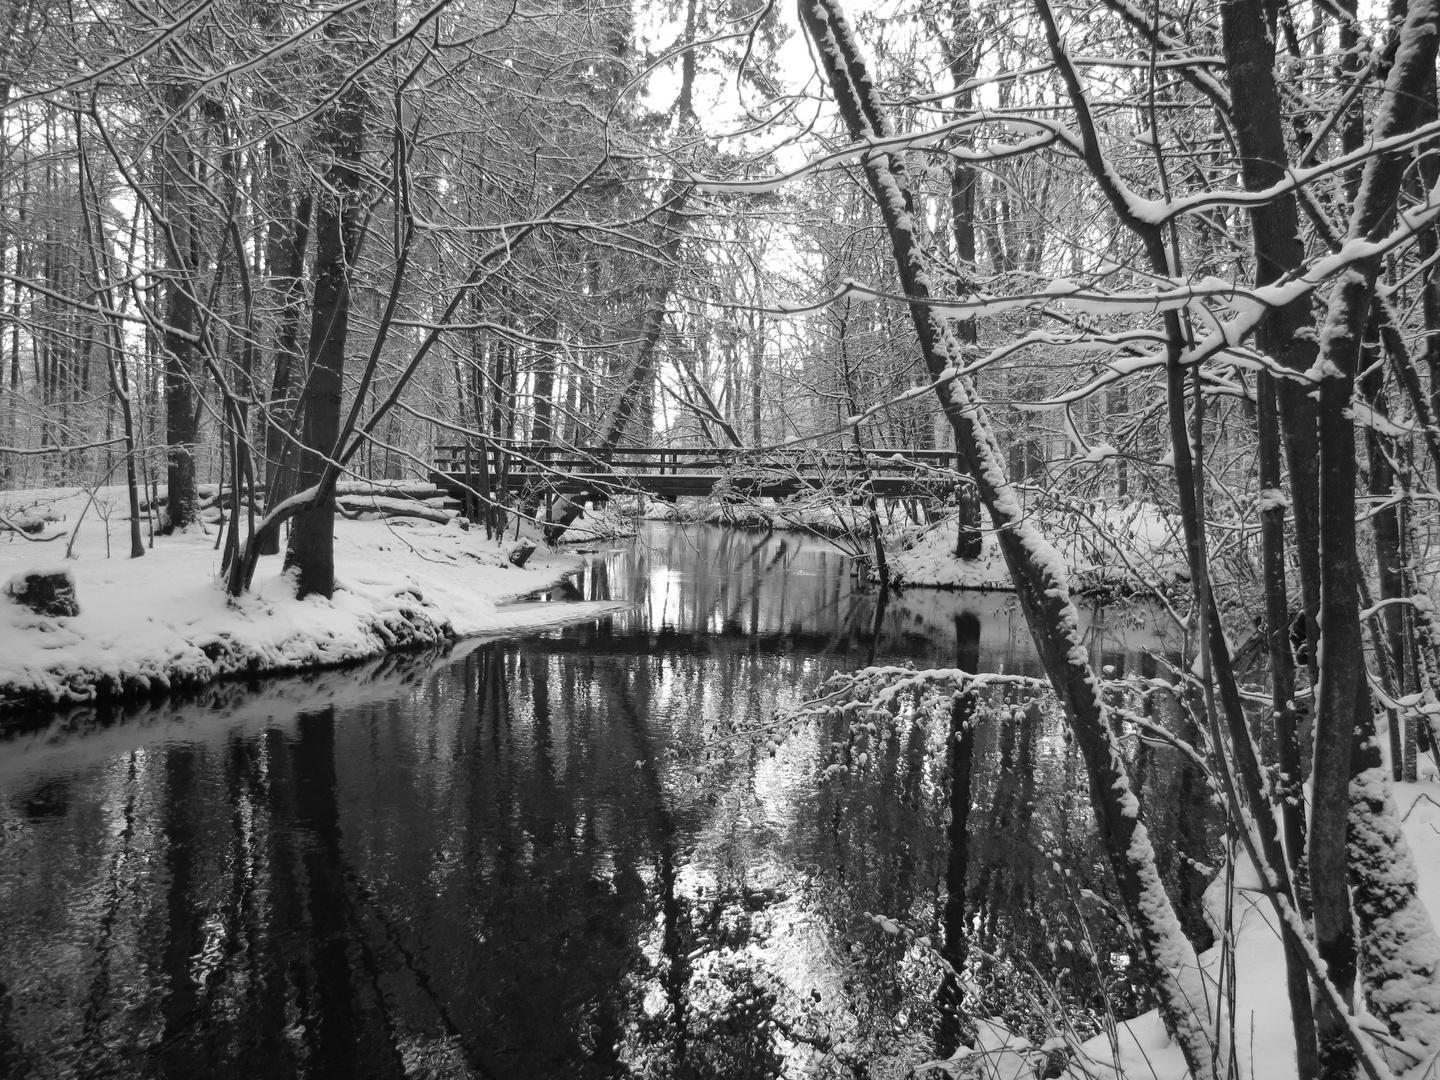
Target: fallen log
<point>352,506</point>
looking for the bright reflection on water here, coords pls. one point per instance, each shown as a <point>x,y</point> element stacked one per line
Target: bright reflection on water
<point>531,858</point>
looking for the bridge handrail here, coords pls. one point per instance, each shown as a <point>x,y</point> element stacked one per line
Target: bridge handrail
<point>526,458</point>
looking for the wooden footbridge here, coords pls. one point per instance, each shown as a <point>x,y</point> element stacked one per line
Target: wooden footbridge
<point>669,472</point>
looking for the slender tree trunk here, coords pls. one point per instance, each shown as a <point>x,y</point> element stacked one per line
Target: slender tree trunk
<point>1289,787</point>
<point>1249,41</point>
<point>757,375</point>
<point>542,432</point>
<point>962,57</point>
<point>1385,530</point>
<point>114,338</point>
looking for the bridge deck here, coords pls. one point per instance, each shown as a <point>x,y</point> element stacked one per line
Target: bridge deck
<point>672,472</point>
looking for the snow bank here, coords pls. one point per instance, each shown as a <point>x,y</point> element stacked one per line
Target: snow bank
<point>1121,550</point>
<point>925,556</point>
<point>164,621</point>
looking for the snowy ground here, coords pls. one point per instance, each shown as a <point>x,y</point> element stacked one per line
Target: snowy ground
<point>164,620</point>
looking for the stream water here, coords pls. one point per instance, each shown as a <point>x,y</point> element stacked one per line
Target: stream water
<point>547,856</point>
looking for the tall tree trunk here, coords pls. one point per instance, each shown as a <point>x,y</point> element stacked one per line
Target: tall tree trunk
<point>181,312</point>
<point>286,243</point>
<point>962,52</point>
<point>757,375</point>
<point>1249,43</point>
<point>542,432</point>
<point>311,550</point>
<point>1342,691</point>
<point>1429,245</point>
<point>1248,36</point>
<point>114,342</point>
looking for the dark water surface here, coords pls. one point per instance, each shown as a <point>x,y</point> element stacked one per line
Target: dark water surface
<point>538,857</point>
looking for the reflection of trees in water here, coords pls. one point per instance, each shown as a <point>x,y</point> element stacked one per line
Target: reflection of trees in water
<point>464,883</point>
<point>552,857</point>
<point>999,864</point>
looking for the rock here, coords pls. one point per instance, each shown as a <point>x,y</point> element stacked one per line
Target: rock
<point>521,553</point>
<point>45,592</point>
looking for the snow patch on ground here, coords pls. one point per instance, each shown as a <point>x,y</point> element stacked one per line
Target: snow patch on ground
<point>164,620</point>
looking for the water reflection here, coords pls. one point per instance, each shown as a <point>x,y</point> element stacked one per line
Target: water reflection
<point>786,591</point>
<point>543,857</point>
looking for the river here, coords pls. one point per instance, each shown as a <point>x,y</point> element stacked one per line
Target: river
<point>557,855</point>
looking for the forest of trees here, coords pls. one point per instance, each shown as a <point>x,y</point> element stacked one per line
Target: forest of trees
<point>1178,256</point>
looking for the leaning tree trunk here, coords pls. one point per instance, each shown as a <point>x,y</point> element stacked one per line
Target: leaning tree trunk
<point>1035,567</point>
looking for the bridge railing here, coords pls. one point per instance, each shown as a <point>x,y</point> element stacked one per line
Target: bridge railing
<point>460,459</point>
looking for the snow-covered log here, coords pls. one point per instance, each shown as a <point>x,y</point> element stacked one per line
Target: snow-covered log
<point>388,507</point>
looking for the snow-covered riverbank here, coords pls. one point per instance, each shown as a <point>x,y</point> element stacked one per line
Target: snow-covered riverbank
<point>164,620</point>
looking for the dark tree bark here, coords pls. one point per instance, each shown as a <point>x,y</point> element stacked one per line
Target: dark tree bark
<point>286,242</point>
<point>543,430</point>
<point>311,550</point>
<point>962,51</point>
<point>1342,691</point>
<point>1288,335</point>
<point>181,313</point>
<point>1248,36</point>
